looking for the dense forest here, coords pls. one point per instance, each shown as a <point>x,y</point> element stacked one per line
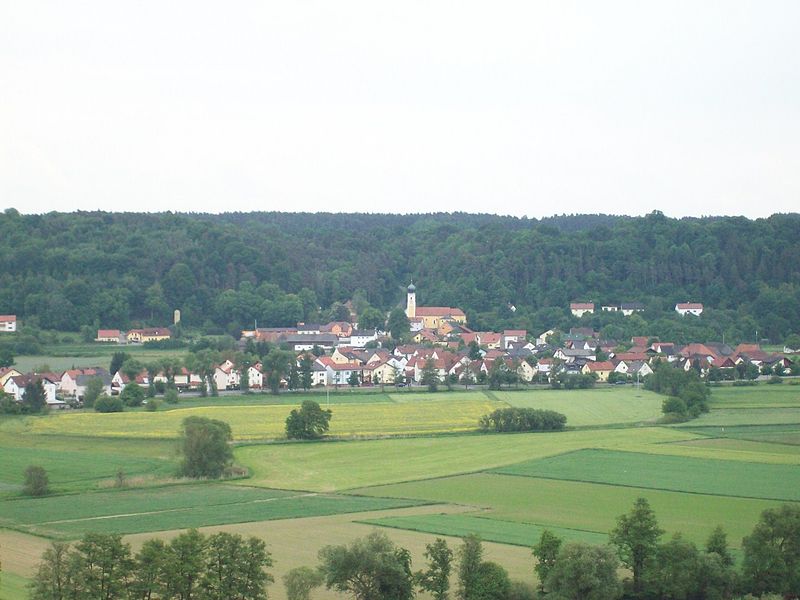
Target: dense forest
<point>117,270</point>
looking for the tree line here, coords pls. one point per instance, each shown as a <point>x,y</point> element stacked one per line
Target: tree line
<point>223,565</point>
<point>225,272</point>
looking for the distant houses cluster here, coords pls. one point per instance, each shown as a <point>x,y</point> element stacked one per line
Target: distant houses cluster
<point>133,336</point>
<point>578,309</point>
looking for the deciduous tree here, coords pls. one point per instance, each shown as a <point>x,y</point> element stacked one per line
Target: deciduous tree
<point>308,423</point>
<point>205,447</point>
<point>636,539</point>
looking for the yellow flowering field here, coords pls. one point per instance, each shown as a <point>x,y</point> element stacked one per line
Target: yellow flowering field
<point>268,422</point>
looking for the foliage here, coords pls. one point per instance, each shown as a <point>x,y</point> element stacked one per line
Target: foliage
<point>36,481</point>
<point>717,543</point>
<point>308,423</point>
<point>300,581</point>
<point>171,396</point>
<point>108,404</point>
<point>33,398</point>
<point>470,557</point>
<point>276,367</point>
<point>222,566</point>
<point>684,385</point>
<point>369,568</point>
<point>546,551</point>
<point>205,448</point>
<point>584,572</point>
<point>397,324</point>
<point>94,387</point>
<point>436,578</point>
<point>772,552</point>
<point>430,375</point>
<point>636,538</point>
<point>522,419</point>
<point>132,394</point>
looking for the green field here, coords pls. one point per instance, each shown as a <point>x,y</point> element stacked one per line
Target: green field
<point>777,434</point>
<point>725,417</point>
<point>12,586</point>
<point>583,506</point>
<point>675,473</point>
<point>761,396</point>
<point>174,507</point>
<point>492,530</point>
<point>603,406</point>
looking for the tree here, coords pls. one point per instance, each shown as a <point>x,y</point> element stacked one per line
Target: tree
<point>300,581</point>
<point>546,552</point>
<point>584,572</point>
<point>306,365</point>
<point>184,562</point>
<point>34,398</point>
<point>398,324</point>
<point>53,578</point>
<point>205,448</point>
<point>430,375</point>
<point>717,543</point>
<point>117,360</point>
<point>131,368</point>
<point>436,578</point>
<point>94,387</point>
<point>369,568</point>
<point>309,423</point>
<point>371,318</point>
<point>354,380</point>
<point>36,481</point>
<point>467,376</point>
<point>772,553</point>
<point>492,582</point>
<point>293,382</point>
<point>276,367</point>
<point>636,539</point>
<point>235,567</point>
<point>108,404</point>
<point>470,556</point>
<point>101,565</point>
<point>132,394</point>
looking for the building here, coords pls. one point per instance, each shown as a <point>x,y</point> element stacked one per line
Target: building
<point>8,323</point>
<point>579,309</point>
<point>149,334</point>
<point>689,308</point>
<point>431,316</point>
<point>111,336</point>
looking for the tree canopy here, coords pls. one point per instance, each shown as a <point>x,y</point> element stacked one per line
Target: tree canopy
<point>205,448</point>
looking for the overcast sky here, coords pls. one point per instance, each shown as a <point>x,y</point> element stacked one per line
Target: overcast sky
<point>524,108</point>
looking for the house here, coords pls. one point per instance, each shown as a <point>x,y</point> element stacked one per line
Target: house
<point>340,329</point>
<point>226,377</point>
<point>340,374</point>
<point>689,308</point>
<point>15,386</point>
<point>184,379</point>
<point>83,380</point>
<point>431,315</point>
<point>68,382</point>
<point>255,377</point>
<point>544,366</point>
<point>299,342</point>
<point>601,369</point>
<point>628,308</point>
<point>8,323</point>
<point>541,340</point>
<point>578,309</point>
<point>632,367</point>
<point>609,308</point>
<point>513,335</point>
<point>522,368</point>
<point>6,373</point>
<point>148,334</point>
<point>568,355</point>
<point>360,338</point>
<point>111,336</point>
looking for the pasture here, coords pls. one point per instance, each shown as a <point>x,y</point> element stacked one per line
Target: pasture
<point>421,472</point>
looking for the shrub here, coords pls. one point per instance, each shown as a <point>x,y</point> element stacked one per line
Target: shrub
<point>505,420</point>
<point>774,379</point>
<point>132,394</point>
<point>152,405</point>
<point>36,481</point>
<point>171,396</point>
<point>107,404</point>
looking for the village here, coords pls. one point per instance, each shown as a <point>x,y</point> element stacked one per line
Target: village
<point>440,344</point>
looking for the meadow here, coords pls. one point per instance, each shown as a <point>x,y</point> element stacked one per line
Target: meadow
<point>410,463</point>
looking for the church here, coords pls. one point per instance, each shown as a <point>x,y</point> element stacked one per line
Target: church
<point>431,317</point>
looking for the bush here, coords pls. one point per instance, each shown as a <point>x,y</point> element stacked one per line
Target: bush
<point>505,420</point>
<point>152,405</point>
<point>36,481</point>
<point>132,394</point>
<point>171,396</point>
<point>107,404</point>
<point>744,383</point>
<point>309,423</point>
<point>9,406</point>
<point>205,448</point>
<point>774,379</point>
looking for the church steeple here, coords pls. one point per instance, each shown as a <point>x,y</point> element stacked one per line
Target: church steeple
<point>411,301</point>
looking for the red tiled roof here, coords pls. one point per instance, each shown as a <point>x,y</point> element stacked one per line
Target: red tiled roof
<point>104,333</point>
<point>689,306</point>
<point>8,318</point>
<point>438,311</point>
<point>582,305</point>
<point>600,366</point>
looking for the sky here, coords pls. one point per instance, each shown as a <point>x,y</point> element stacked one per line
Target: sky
<point>522,108</point>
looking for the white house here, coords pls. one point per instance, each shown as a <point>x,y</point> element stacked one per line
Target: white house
<point>359,339</point>
<point>689,308</point>
<point>8,323</point>
<point>255,377</point>
<point>628,308</point>
<point>16,387</point>
<point>579,309</point>
<point>542,339</point>
<point>609,308</point>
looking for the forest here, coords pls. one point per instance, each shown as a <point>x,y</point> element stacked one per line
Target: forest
<point>65,271</point>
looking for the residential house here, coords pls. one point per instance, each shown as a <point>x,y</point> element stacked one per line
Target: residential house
<point>628,308</point>
<point>148,334</point>
<point>512,336</point>
<point>541,340</point>
<point>689,308</point>
<point>15,386</point>
<point>110,336</point>
<point>579,309</point>
<point>82,381</point>
<point>6,373</point>
<point>8,323</point>
<point>568,355</point>
<point>299,342</point>
<point>341,329</point>
<point>68,382</point>
<point>255,377</point>
<point>360,338</point>
<point>609,308</point>
<point>602,369</point>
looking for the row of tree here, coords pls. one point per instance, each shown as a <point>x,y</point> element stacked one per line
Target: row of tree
<point>226,272</point>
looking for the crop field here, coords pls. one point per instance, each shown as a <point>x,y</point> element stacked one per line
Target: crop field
<point>583,506</point>
<point>777,433</point>
<point>725,417</point>
<point>13,587</point>
<point>675,473</point>
<point>760,396</point>
<point>604,406</point>
<point>268,422</point>
<point>174,507</point>
<point>494,530</point>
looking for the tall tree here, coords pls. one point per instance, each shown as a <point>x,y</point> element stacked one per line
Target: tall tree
<point>470,557</point>
<point>772,553</point>
<point>309,423</point>
<point>546,552</point>
<point>584,572</point>
<point>636,538</point>
<point>398,324</point>
<point>436,578</point>
<point>306,366</point>
<point>430,375</point>
<point>34,397</point>
<point>205,447</point>
<point>276,367</point>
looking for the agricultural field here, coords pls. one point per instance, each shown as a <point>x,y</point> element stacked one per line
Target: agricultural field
<point>423,472</point>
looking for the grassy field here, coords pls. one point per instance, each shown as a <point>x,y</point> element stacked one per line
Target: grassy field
<point>342,465</point>
<point>174,507</point>
<point>675,473</point>
<point>778,433</point>
<point>494,530</point>
<point>725,417</point>
<point>268,422</point>
<point>583,506</point>
<point>761,396</point>
<point>13,587</point>
<point>603,406</point>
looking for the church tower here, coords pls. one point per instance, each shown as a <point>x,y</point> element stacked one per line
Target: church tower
<point>411,301</point>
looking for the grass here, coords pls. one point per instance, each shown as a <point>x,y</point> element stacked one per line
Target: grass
<point>173,507</point>
<point>13,587</point>
<point>343,465</point>
<point>760,396</point>
<point>725,417</point>
<point>603,406</point>
<point>778,433</point>
<point>745,446</point>
<point>268,422</point>
<point>583,506</point>
<point>676,473</point>
<point>493,530</point>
